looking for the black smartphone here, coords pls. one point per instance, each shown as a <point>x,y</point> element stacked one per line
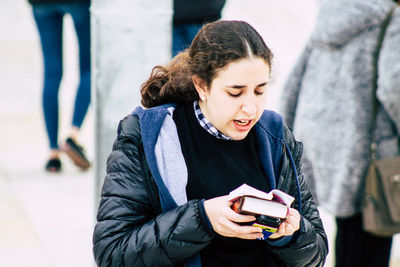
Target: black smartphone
<point>268,221</point>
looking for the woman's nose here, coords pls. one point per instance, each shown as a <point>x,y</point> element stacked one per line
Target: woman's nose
<point>249,108</point>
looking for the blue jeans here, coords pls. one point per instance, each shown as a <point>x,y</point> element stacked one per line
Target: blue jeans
<point>183,35</point>
<point>49,22</point>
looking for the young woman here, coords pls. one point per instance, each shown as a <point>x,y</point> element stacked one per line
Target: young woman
<point>205,132</point>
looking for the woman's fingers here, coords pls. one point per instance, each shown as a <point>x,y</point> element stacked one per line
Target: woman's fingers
<point>289,226</point>
<point>225,221</point>
<point>241,231</point>
<point>293,219</point>
<point>229,228</point>
<point>239,218</point>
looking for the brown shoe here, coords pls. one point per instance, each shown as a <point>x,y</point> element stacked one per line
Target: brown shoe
<point>76,153</point>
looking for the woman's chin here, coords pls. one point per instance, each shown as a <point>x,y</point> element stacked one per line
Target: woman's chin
<point>238,135</point>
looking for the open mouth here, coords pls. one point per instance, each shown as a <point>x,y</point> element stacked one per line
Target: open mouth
<point>242,122</point>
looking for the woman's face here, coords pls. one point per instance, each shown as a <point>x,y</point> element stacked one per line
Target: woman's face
<point>236,98</point>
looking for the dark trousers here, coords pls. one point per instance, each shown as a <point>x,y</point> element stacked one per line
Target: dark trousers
<point>183,35</point>
<point>355,247</point>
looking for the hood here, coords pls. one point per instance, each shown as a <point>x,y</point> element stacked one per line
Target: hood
<point>338,21</point>
<point>269,133</point>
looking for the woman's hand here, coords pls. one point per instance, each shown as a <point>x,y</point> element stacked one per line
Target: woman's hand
<point>288,226</point>
<point>224,220</point>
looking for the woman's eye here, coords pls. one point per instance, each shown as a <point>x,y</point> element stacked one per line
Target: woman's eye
<point>258,92</point>
<point>234,95</point>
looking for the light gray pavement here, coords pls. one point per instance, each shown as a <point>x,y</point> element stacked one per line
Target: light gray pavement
<point>47,219</point>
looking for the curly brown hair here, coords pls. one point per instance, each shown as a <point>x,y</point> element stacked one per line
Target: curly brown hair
<point>216,45</point>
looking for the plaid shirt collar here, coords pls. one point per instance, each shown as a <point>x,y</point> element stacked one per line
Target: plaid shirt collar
<point>206,124</point>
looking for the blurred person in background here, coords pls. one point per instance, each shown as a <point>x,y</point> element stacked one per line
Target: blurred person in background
<point>48,15</point>
<point>328,102</point>
<point>205,132</point>
<point>189,17</point>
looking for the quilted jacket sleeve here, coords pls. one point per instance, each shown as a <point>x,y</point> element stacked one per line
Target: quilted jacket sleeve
<point>131,230</point>
<point>309,246</point>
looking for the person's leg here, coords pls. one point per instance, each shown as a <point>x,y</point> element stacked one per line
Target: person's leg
<point>177,39</point>
<point>355,247</point>
<point>348,249</point>
<point>49,25</point>
<point>191,32</point>
<point>183,35</point>
<point>377,250</point>
<point>81,18</point>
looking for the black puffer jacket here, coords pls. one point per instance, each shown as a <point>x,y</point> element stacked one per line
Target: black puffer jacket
<point>132,230</point>
<point>40,2</point>
<point>197,11</point>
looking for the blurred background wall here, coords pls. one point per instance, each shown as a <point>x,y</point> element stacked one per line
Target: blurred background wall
<point>127,42</point>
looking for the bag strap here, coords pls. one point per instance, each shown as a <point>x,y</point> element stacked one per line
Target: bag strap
<point>375,103</point>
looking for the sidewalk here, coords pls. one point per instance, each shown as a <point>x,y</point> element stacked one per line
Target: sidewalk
<point>46,219</point>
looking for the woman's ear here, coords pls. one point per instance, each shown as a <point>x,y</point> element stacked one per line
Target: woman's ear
<point>201,87</point>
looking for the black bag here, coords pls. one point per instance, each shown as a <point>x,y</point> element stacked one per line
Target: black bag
<point>381,200</point>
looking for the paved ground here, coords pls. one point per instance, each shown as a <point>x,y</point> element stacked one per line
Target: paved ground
<point>47,220</point>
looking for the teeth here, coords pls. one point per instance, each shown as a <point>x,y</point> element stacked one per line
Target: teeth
<point>240,122</point>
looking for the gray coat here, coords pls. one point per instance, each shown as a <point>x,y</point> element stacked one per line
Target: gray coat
<point>327,99</point>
